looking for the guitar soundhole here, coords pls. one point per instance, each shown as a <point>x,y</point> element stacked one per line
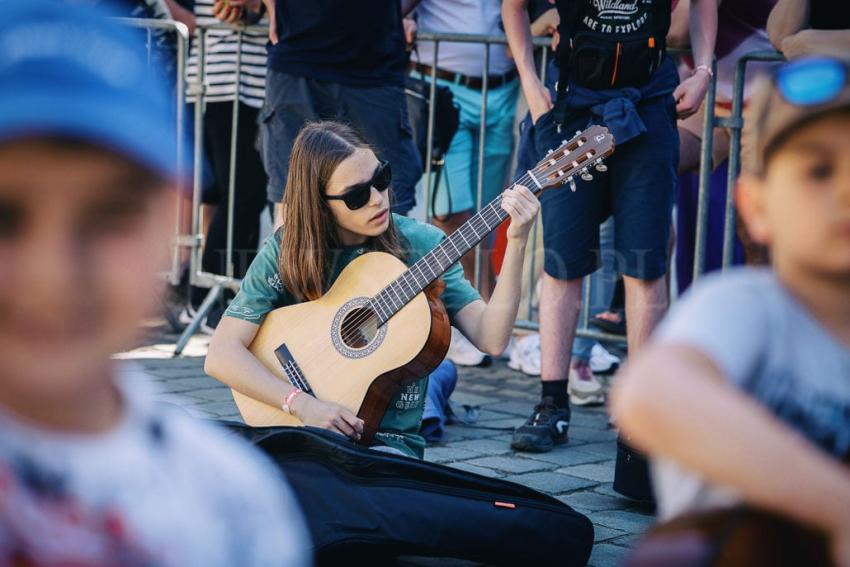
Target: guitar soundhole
<point>359,328</point>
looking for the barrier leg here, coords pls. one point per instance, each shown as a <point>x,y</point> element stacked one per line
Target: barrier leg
<point>213,296</point>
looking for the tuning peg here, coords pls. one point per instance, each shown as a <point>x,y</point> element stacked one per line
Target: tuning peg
<point>572,183</point>
<point>550,152</point>
<point>585,175</point>
<point>601,167</point>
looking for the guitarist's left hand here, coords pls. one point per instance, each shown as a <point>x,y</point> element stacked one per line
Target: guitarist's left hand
<point>523,207</point>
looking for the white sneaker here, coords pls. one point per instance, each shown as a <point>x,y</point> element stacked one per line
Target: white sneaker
<point>602,361</point>
<point>525,355</point>
<point>583,387</point>
<point>462,352</point>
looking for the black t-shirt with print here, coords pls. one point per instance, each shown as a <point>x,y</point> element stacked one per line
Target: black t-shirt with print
<point>610,38</point>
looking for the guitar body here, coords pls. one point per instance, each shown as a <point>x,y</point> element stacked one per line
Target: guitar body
<point>361,373</point>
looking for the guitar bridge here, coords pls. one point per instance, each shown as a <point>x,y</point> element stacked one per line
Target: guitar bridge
<point>291,370</point>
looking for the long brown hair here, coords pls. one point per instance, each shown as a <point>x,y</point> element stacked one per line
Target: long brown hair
<point>309,228</point>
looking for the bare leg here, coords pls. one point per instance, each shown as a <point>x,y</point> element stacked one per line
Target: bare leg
<point>689,151</point>
<point>646,303</point>
<point>559,308</point>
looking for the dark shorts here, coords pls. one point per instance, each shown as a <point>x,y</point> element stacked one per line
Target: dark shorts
<point>378,113</point>
<point>637,190</point>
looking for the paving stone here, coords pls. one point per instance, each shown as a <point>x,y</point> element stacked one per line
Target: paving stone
<point>484,446</point>
<point>607,555</point>
<point>599,473</point>
<point>606,450</point>
<point>594,502</point>
<point>512,464</point>
<point>181,400</point>
<point>566,456</point>
<point>214,394</point>
<point>197,412</point>
<point>190,384</point>
<point>601,533</point>
<point>461,397</point>
<point>513,407</point>
<point>591,435</point>
<point>464,466</point>
<point>219,408</point>
<point>507,423</point>
<point>551,482</point>
<point>627,540</point>
<point>447,454</point>
<point>630,522</point>
<point>458,432</point>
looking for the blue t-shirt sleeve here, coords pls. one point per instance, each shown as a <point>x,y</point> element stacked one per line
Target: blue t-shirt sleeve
<point>261,290</point>
<point>725,317</point>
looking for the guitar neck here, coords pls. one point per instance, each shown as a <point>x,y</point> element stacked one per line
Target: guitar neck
<point>436,262</point>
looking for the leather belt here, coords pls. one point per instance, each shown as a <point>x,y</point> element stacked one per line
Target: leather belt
<point>493,81</point>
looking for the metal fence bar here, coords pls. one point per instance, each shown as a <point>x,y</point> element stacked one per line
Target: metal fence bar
<point>705,167</point>
<point>429,138</point>
<point>234,136</point>
<point>736,124</point>
<point>181,34</point>
<point>482,141</point>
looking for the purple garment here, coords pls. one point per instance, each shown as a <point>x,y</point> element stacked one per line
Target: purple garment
<point>687,194</point>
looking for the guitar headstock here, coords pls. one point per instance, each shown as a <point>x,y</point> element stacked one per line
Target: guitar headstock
<point>573,157</point>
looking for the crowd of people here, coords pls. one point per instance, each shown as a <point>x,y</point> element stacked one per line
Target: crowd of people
<point>748,373</point>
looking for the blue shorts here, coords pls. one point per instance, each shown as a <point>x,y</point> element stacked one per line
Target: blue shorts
<point>637,190</point>
<point>458,186</point>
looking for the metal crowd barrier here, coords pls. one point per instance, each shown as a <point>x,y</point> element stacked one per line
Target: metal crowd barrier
<point>181,34</point>
<point>735,123</point>
<point>194,91</point>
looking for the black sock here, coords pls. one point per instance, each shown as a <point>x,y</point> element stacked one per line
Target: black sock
<point>557,390</point>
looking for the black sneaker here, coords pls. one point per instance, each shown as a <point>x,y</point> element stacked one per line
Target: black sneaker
<point>546,428</point>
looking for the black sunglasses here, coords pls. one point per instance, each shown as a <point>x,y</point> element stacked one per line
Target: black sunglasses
<point>358,195</point>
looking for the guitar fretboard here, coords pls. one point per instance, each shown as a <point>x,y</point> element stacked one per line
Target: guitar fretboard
<point>433,264</point>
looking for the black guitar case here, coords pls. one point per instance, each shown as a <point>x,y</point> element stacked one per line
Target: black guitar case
<point>370,507</point>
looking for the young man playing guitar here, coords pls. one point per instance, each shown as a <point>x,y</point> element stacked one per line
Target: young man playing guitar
<point>337,206</point>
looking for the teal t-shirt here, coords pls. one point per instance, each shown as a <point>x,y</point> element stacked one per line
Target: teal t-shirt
<point>262,291</point>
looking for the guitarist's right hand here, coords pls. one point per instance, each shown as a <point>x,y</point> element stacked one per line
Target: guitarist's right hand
<point>327,415</point>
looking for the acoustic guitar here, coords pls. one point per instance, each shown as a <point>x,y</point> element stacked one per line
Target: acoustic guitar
<point>380,326</point>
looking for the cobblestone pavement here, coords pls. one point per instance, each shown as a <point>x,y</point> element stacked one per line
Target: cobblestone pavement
<point>579,473</point>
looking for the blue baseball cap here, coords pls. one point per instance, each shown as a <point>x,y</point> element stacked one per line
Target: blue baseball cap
<point>67,70</point>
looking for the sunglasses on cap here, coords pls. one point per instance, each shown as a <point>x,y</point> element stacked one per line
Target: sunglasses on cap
<point>811,81</point>
<point>358,195</point>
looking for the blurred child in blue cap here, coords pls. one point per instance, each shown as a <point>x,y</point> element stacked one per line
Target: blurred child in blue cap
<point>91,471</point>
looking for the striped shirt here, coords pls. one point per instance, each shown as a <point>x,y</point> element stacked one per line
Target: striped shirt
<point>220,64</point>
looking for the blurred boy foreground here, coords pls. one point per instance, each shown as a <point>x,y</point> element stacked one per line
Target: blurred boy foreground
<point>91,471</point>
<point>745,393</point>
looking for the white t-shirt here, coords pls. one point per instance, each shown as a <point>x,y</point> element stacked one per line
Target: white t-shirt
<point>161,488</point>
<point>462,16</point>
<point>768,345</point>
